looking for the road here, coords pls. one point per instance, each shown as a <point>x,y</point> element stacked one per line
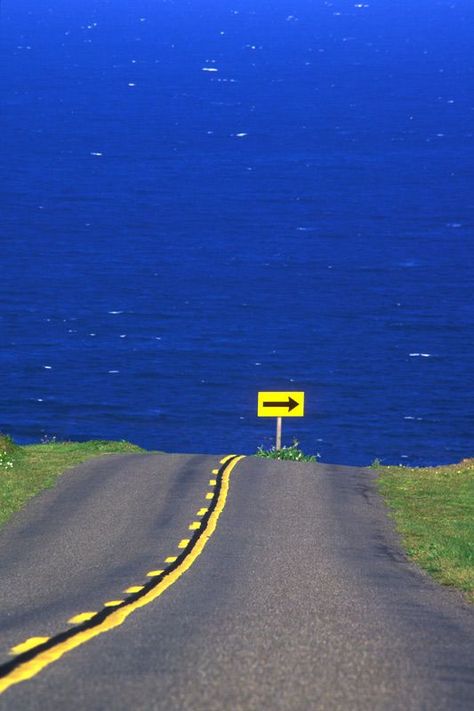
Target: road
<point>289,591</point>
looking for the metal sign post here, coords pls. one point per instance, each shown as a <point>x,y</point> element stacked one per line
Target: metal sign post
<point>278,434</point>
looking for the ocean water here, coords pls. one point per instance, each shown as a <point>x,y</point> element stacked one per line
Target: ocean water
<point>201,200</point>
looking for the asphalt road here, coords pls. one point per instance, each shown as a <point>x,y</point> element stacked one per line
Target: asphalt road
<point>300,599</point>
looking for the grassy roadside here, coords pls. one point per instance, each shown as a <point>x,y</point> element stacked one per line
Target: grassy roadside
<point>26,470</point>
<point>290,453</point>
<point>434,512</point>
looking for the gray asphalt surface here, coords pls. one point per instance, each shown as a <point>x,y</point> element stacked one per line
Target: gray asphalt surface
<point>302,598</point>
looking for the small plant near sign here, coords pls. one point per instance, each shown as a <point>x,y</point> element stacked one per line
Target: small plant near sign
<point>291,453</point>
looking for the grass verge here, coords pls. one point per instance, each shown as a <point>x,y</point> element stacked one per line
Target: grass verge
<point>26,470</point>
<point>291,453</point>
<point>433,509</point>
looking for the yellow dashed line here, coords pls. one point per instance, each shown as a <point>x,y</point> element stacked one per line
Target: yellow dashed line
<point>210,495</point>
<point>28,644</point>
<point>195,525</point>
<point>183,543</point>
<point>154,573</point>
<point>82,617</point>
<point>134,588</point>
<point>30,668</point>
<point>215,471</point>
<point>212,482</point>
<point>113,603</point>
<point>171,559</point>
<point>201,512</point>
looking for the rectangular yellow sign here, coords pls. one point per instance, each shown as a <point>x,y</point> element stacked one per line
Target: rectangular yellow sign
<point>284,404</point>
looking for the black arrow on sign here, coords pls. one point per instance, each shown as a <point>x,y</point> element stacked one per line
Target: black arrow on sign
<point>290,404</point>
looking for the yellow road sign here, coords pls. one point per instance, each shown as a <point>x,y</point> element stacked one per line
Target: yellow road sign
<point>284,404</point>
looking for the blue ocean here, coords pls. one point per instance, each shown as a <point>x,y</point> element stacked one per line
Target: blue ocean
<point>204,199</point>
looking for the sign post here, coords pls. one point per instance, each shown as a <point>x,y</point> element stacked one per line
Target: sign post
<point>280,404</point>
<point>278,434</point>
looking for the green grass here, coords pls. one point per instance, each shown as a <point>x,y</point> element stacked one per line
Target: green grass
<point>291,453</point>
<point>434,512</point>
<point>27,470</point>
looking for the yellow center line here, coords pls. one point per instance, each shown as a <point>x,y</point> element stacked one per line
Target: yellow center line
<point>30,668</point>
<point>226,459</point>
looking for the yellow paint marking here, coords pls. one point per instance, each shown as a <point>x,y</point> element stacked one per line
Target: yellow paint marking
<point>226,459</point>
<point>113,603</point>
<point>134,588</point>
<point>212,482</point>
<point>171,559</point>
<point>28,644</point>
<point>201,512</point>
<point>215,471</point>
<point>183,543</point>
<point>195,525</point>
<point>82,617</point>
<point>154,573</point>
<point>210,495</point>
<point>29,669</point>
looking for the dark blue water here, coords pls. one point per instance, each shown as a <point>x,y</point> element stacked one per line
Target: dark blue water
<point>301,218</point>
